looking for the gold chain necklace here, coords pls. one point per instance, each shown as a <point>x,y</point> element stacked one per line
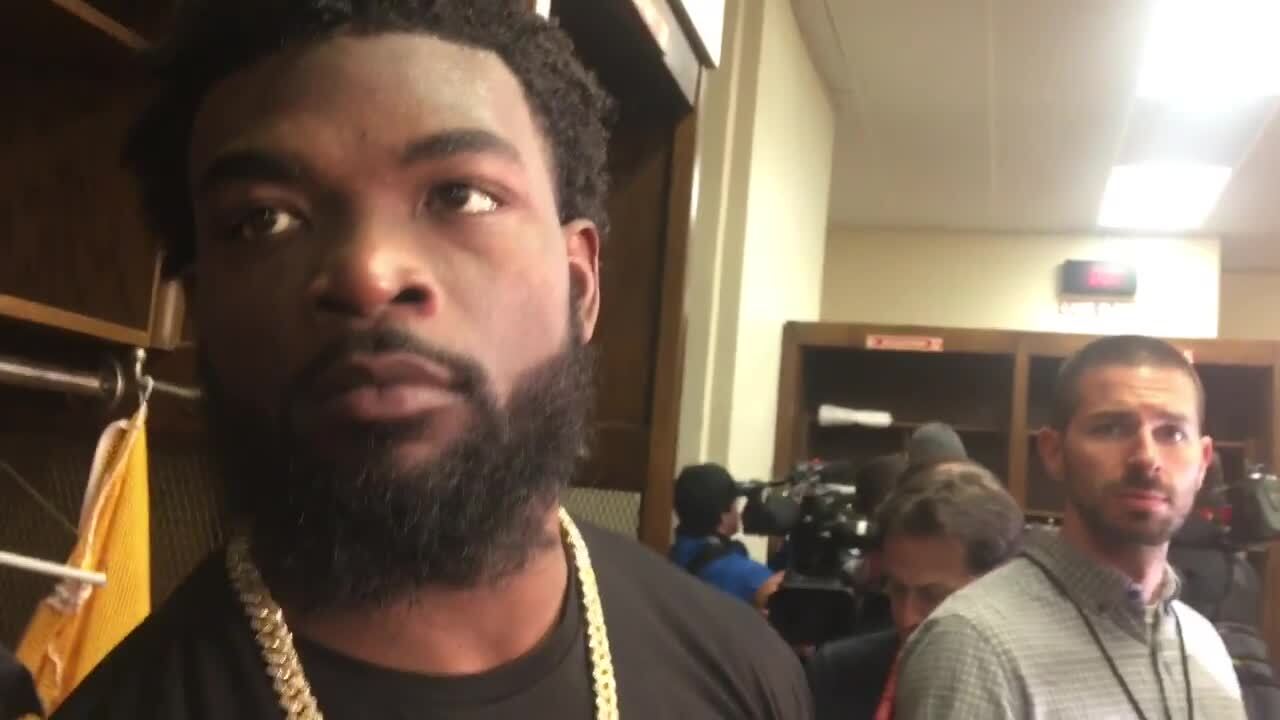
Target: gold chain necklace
<point>285,668</point>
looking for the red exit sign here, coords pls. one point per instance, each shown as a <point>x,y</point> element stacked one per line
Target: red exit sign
<point>1093,278</point>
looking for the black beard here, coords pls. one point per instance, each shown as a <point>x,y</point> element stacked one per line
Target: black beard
<point>1093,513</point>
<point>347,527</point>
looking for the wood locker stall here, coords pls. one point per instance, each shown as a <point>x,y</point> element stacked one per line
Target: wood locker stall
<point>80,283</point>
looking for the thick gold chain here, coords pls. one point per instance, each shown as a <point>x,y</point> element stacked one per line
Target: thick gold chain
<point>285,669</point>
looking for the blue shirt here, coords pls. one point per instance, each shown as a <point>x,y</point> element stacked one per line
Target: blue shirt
<point>734,573</point>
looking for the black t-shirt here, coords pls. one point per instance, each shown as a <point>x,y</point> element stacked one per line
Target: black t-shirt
<point>17,692</point>
<point>848,675</point>
<point>680,650</point>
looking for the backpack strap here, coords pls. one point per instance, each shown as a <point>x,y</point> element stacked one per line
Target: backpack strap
<point>709,553</point>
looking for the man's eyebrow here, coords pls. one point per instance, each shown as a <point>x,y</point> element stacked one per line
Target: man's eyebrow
<point>1169,416</point>
<point>1176,418</point>
<point>253,165</point>
<point>458,142</point>
<point>1111,414</point>
<point>250,165</point>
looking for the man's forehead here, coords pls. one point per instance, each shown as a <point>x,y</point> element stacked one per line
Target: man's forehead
<point>1137,384</point>
<point>385,90</point>
<point>933,551</point>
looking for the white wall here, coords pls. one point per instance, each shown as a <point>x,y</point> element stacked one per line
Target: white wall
<point>766,130</point>
<point>793,141</point>
<point>1011,282</point>
<point>1250,306</point>
<point>723,144</point>
<point>766,133</point>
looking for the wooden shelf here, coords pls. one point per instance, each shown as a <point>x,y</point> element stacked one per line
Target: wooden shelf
<point>66,34</point>
<point>75,260</point>
<point>45,315</point>
<point>104,23</point>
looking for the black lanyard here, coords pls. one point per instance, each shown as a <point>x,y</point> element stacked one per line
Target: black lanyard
<point>1111,663</point>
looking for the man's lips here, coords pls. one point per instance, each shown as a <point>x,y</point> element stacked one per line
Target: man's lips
<point>384,387</point>
<point>1145,499</point>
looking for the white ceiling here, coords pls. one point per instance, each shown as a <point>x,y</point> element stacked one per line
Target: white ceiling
<point>1004,115</point>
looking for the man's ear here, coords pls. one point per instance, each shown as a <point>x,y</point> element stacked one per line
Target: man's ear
<point>582,246</point>
<point>1049,443</point>
<point>1206,459</point>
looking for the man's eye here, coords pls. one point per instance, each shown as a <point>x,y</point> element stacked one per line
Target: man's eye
<point>462,199</point>
<point>1108,430</point>
<point>265,222</point>
<point>933,596</point>
<point>1171,434</point>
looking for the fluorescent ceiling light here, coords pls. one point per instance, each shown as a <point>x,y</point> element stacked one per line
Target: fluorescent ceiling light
<point>1161,197</point>
<point>1211,52</point>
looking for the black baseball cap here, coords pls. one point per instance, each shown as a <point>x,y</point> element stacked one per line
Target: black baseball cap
<point>703,493</point>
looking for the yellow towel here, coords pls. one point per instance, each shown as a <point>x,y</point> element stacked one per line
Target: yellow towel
<point>77,625</point>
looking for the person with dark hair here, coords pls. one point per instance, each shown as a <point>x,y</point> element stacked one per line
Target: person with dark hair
<point>1198,551</point>
<point>876,479</point>
<point>934,443</point>
<point>1219,582</point>
<point>946,525</point>
<point>706,503</point>
<point>1086,622</point>
<point>388,215</point>
<point>18,698</point>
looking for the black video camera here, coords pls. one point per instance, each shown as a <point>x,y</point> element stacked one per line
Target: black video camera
<point>1244,513</point>
<point>1255,508</point>
<point>826,538</point>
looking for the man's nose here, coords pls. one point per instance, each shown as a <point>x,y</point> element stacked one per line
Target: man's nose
<point>1145,454</point>
<point>373,275</point>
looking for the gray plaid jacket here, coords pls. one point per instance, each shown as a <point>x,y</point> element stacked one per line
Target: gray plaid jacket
<point>1012,646</point>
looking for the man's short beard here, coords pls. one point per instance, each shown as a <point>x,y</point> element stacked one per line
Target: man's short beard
<point>1092,512</point>
<point>352,528</point>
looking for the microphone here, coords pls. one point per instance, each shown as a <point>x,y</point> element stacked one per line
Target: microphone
<point>934,443</point>
<point>833,415</point>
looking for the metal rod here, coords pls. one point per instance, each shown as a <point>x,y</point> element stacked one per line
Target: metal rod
<point>108,385</point>
<point>182,391</point>
<point>24,374</point>
<point>44,567</point>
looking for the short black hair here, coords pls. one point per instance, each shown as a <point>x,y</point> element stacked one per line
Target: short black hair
<point>958,499</point>
<point>703,494</point>
<point>1122,351</point>
<point>876,479</point>
<point>213,39</point>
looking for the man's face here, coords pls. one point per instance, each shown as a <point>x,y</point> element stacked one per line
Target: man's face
<point>1132,457</point>
<point>390,311</point>
<point>731,520</point>
<point>920,572</point>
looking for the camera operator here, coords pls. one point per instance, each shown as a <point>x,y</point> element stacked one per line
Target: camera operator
<point>942,526</point>
<point>931,444</point>
<point>1220,583</point>
<point>934,443</point>
<point>706,503</point>
<point>1200,554</point>
<point>875,481</point>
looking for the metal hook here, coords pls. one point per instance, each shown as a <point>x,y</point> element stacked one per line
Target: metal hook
<point>144,382</point>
